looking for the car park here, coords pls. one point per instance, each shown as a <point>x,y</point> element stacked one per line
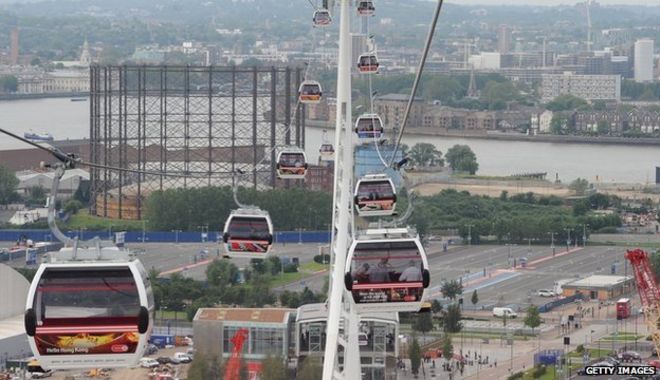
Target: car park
<point>151,349</point>
<point>164,360</point>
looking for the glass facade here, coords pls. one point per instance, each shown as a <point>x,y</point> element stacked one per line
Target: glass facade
<point>261,342</point>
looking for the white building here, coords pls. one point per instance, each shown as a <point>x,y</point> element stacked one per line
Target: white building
<point>68,184</point>
<point>540,123</point>
<point>589,87</point>
<point>644,60</point>
<point>485,61</point>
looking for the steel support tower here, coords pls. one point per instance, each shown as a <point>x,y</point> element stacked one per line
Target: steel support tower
<point>342,354</point>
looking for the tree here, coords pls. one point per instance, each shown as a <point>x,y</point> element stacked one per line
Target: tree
<point>415,354</point>
<point>221,273</point>
<point>451,289</point>
<point>451,322</point>
<point>566,103</point>
<point>8,83</point>
<point>462,158</point>
<point>8,184</point>
<point>310,369</point>
<point>447,347</point>
<point>72,206</point>
<point>423,323</point>
<point>603,127</point>
<point>475,298</point>
<point>579,186</point>
<point>436,306</point>
<point>425,154</point>
<point>273,368</point>
<point>559,124</point>
<point>533,318</point>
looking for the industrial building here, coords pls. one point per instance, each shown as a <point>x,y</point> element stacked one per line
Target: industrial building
<point>600,287</point>
<point>295,334</point>
<point>589,87</point>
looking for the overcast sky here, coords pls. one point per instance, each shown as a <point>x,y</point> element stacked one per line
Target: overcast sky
<point>553,2</point>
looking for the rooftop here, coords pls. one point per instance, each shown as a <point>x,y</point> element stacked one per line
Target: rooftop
<point>398,97</point>
<point>599,281</point>
<point>266,315</point>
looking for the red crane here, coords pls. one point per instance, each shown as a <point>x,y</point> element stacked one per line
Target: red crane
<point>648,291</point>
<point>233,370</point>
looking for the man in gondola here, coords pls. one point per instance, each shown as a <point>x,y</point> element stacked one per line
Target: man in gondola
<point>379,272</point>
<point>411,274</point>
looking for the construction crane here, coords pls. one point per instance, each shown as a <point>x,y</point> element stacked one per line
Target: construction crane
<point>233,370</point>
<point>648,291</point>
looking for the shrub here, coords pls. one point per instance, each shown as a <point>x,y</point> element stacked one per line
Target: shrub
<point>539,371</point>
<point>320,259</point>
<point>580,348</point>
<point>290,268</point>
<point>515,376</point>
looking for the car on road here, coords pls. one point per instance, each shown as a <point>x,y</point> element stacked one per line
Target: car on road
<point>151,349</point>
<point>504,311</point>
<point>41,375</point>
<point>545,293</point>
<point>629,356</point>
<point>148,363</point>
<point>611,360</point>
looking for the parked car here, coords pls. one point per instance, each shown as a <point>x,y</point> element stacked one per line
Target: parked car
<point>164,360</point>
<point>41,375</point>
<point>614,362</point>
<point>546,293</point>
<point>151,349</point>
<point>654,362</point>
<point>629,356</point>
<point>182,357</point>
<point>148,363</point>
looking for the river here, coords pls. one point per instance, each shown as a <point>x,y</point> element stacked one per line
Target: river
<point>597,163</point>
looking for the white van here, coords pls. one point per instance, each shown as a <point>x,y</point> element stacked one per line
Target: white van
<point>148,363</point>
<point>502,311</point>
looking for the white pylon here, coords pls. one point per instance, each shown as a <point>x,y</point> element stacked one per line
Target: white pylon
<point>340,307</point>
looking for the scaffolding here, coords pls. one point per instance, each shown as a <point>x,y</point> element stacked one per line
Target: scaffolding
<point>200,122</point>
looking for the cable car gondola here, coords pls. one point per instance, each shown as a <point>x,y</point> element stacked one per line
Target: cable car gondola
<point>366,8</point>
<point>291,163</point>
<point>369,126</point>
<point>89,314</point>
<point>368,63</point>
<point>387,271</point>
<point>322,17</point>
<point>375,195</point>
<point>248,233</point>
<point>310,92</point>
<point>327,152</point>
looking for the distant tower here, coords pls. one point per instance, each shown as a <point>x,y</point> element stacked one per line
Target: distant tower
<point>644,60</point>
<point>504,39</point>
<point>589,42</point>
<point>472,91</point>
<point>14,49</point>
<point>85,56</point>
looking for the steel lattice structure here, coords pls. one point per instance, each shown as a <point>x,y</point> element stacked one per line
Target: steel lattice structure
<point>205,122</point>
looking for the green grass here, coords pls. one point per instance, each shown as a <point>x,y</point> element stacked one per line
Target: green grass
<point>287,278</point>
<point>94,223</point>
<point>169,314</point>
<point>622,338</point>
<point>312,266</point>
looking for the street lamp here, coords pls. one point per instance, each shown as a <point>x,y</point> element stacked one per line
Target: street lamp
<point>568,238</point>
<point>144,229</point>
<point>469,226</point>
<point>204,232</point>
<point>584,234</point>
<point>176,235</point>
<point>552,242</point>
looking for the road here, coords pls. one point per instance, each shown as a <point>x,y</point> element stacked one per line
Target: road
<point>505,285</point>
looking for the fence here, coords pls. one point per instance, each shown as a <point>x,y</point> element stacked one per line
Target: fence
<point>563,301</point>
<point>163,236</point>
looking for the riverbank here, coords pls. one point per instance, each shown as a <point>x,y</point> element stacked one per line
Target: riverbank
<point>10,97</point>
<point>507,136</point>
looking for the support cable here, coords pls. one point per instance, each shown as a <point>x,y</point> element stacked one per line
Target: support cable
<point>420,70</point>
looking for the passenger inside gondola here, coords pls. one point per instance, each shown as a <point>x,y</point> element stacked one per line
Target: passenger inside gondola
<point>322,17</point>
<point>368,63</point>
<point>379,268</point>
<point>375,196</point>
<point>369,127</point>
<point>292,163</point>
<point>248,229</point>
